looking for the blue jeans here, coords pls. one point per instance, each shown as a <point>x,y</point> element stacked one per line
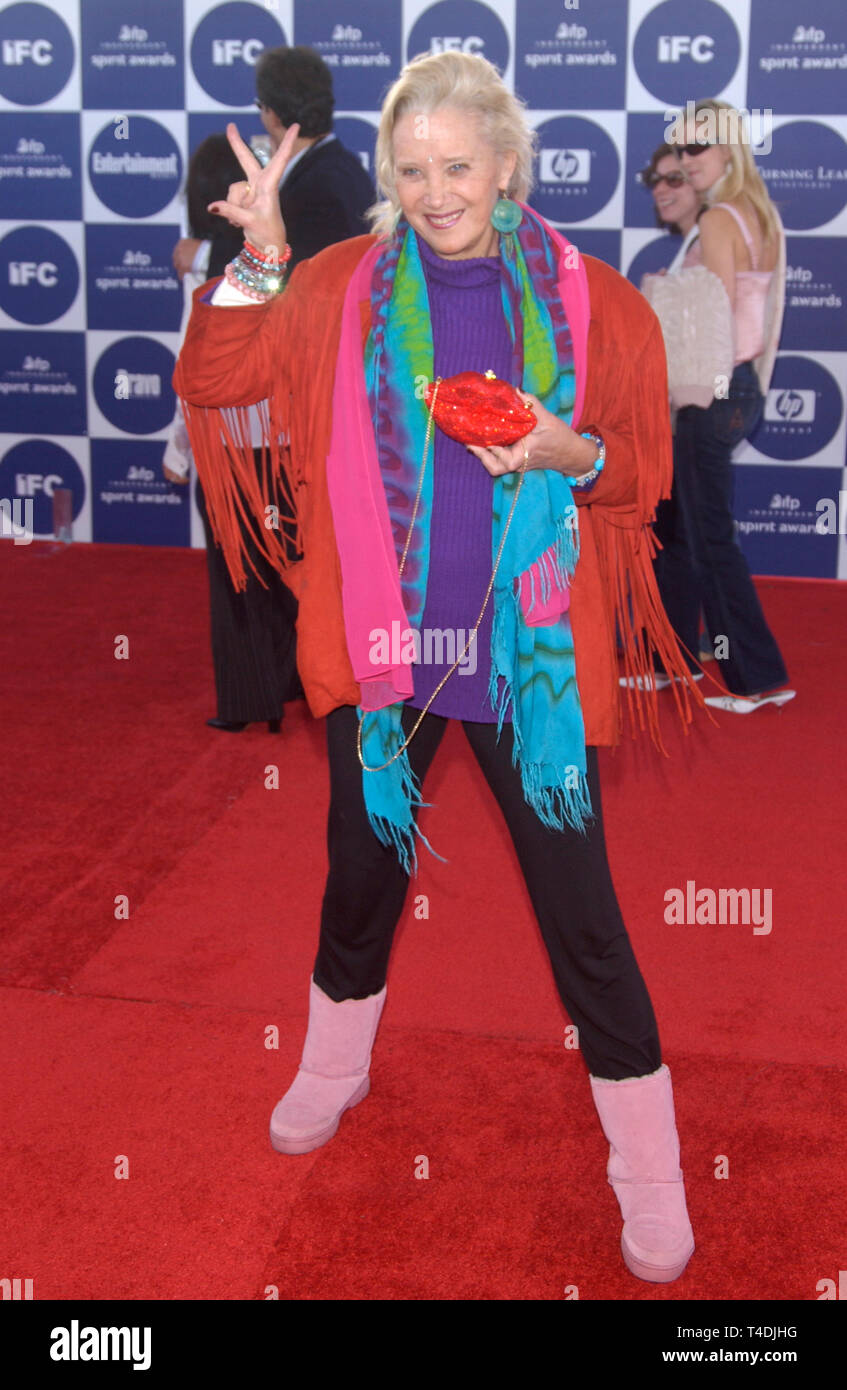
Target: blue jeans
<point>701,565</point>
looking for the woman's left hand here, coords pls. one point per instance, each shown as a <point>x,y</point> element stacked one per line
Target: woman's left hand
<point>551,444</point>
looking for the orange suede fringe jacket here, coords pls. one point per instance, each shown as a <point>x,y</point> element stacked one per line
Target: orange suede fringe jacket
<point>283,353</point>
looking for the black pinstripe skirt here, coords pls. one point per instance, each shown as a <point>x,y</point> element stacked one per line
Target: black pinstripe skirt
<point>254,647</point>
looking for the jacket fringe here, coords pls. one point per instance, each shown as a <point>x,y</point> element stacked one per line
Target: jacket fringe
<point>241,499</point>
<point>625,554</point>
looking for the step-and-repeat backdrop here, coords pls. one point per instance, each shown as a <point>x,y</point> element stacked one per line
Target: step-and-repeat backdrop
<point>102,101</point>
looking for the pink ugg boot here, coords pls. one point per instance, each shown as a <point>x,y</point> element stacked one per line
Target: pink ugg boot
<point>637,1116</point>
<point>333,1073</point>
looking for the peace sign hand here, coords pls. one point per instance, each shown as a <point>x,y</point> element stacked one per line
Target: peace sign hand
<point>254,204</point>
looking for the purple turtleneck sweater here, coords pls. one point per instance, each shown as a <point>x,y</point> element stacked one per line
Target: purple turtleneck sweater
<point>469,334</point>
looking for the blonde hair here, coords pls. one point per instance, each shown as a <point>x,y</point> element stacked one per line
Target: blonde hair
<point>466,82</point>
<point>742,178</point>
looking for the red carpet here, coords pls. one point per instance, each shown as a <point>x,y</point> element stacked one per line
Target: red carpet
<point>145,1037</point>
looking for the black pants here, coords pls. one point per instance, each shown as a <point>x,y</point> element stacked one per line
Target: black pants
<point>567,875</point>
<point>702,564</point>
<point>254,649</point>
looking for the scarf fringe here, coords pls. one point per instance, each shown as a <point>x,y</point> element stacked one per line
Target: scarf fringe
<point>562,804</point>
<point>500,696</point>
<point>556,805</point>
<point>401,836</point>
<point>567,544</point>
<point>402,839</point>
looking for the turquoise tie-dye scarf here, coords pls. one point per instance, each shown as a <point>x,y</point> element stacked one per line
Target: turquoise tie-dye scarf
<point>532,667</point>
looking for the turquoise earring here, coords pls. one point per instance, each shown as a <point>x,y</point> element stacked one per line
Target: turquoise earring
<point>506,216</point>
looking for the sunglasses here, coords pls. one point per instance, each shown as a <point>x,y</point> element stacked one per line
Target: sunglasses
<point>674,180</point>
<point>697,148</point>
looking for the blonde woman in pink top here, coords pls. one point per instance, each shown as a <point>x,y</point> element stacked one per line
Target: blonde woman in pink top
<point>741,241</point>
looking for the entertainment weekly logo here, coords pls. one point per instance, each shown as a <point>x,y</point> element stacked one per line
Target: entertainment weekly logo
<point>135,166</point>
<point>156,166</point>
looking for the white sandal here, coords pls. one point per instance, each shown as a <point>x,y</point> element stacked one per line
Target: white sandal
<point>742,704</point>
<point>662,681</point>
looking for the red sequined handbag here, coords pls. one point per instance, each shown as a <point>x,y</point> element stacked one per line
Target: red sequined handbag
<point>478,408</point>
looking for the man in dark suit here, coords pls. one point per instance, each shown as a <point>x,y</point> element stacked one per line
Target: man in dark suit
<point>325,192</point>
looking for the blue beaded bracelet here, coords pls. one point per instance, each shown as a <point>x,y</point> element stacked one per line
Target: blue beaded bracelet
<point>588,479</point>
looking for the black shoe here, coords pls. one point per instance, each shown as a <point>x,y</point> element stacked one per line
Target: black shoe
<point>231,727</point>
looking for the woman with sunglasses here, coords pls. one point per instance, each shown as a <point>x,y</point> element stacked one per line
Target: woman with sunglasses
<point>674,199</point>
<point>740,239</point>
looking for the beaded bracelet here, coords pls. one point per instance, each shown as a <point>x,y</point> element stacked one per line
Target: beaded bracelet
<point>259,276</point>
<point>591,477</point>
<point>263,257</point>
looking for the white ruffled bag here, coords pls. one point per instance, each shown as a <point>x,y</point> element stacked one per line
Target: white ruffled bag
<point>693,309</point>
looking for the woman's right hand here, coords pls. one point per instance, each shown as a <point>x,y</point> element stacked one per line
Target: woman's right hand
<point>253,204</point>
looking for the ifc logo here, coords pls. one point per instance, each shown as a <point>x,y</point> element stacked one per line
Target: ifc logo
<point>460,26</point>
<point>39,275</point>
<point>36,54</point>
<point>35,469</point>
<point>686,49</point>
<point>226,46</point>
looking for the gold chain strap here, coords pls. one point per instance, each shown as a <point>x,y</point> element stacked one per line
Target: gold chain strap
<point>475,628</point>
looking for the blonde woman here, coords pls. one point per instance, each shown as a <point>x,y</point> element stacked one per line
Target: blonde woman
<point>538,545</point>
<point>740,241</point>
